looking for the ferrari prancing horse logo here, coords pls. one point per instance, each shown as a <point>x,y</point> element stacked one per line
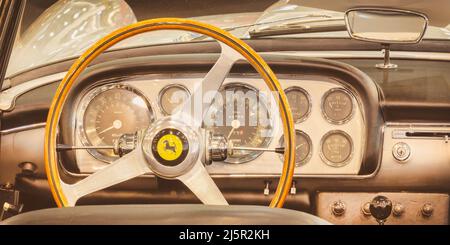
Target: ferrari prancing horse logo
<point>170,147</point>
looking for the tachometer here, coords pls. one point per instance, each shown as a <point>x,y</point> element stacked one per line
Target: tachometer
<point>241,115</point>
<point>108,112</point>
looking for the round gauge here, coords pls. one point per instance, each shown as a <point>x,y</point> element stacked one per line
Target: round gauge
<point>337,106</point>
<point>336,148</point>
<point>172,98</point>
<point>300,103</point>
<point>303,148</point>
<point>110,111</point>
<point>239,113</point>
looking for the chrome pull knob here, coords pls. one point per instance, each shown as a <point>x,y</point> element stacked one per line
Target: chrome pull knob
<point>398,209</point>
<point>427,210</point>
<point>338,208</point>
<point>365,209</point>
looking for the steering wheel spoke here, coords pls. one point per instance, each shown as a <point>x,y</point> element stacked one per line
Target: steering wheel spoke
<point>202,185</point>
<point>196,107</point>
<point>127,167</point>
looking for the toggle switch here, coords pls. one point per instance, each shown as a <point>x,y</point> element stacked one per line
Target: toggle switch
<point>266,188</point>
<point>293,188</point>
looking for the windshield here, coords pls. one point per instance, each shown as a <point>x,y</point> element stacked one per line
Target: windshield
<point>66,28</point>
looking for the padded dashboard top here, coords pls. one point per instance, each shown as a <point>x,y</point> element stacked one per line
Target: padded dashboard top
<point>186,214</point>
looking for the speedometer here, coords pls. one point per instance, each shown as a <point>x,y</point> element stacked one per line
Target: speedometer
<point>240,114</point>
<point>109,111</point>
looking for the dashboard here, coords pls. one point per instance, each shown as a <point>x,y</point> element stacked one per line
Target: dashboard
<point>356,137</point>
<point>329,122</point>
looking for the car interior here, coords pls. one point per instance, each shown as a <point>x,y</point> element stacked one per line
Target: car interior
<point>272,112</point>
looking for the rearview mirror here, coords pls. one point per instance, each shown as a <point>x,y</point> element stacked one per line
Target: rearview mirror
<point>385,25</point>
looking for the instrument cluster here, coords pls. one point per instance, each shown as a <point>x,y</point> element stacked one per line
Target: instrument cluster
<point>328,120</point>
<point>337,108</point>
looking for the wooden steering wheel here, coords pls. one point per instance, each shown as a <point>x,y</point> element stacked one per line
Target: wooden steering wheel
<point>146,157</point>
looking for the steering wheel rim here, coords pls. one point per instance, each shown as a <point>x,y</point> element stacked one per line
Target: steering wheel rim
<point>50,145</point>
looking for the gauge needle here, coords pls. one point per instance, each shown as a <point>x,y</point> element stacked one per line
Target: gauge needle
<point>116,125</point>
<point>106,129</point>
<point>234,124</point>
<point>298,146</point>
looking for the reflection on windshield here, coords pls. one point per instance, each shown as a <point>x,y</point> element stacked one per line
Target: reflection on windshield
<point>66,29</point>
<point>69,27</point>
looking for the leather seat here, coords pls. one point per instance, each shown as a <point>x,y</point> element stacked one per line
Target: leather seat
<point>176,214</point>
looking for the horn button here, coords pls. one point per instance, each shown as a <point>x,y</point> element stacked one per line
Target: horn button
<point>170,148</point>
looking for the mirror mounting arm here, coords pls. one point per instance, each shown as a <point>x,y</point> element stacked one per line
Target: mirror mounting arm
<point>387,58</point>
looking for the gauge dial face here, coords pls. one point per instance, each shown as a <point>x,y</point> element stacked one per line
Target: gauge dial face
<point>241,116</point>
<point>303,148</point>
<point>299,102</point>
<point>109,112</point>
<point>172,98</point>
<point>337,106</point>
<point>336,148</point>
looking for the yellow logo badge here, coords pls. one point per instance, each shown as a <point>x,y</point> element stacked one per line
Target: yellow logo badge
<point>169,147</point>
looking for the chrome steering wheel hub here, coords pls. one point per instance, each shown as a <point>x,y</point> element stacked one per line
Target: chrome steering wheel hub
<point>170,148</point>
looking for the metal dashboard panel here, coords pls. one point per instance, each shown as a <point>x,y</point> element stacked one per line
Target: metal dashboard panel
<point>412,204</point>
<point>267,164</point>
<point>429,156</point>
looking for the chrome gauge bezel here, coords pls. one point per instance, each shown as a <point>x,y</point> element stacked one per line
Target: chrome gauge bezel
<point>255,154</point>
<point>163,90</point>
<point>308,97</point>
<point>324,158</point>
<point>311,149</point>
<point>324,114</point>
<point>87,98</point>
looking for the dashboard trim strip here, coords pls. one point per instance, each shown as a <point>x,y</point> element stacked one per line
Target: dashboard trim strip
<point>8,96</point>
<point>22,128</point>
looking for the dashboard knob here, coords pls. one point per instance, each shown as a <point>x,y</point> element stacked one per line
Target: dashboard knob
<point>365,209</point>
<point>338,208</point>
<point>398,209</point>
<point>401,151</point>
<point>427,210</point>
<point>381,208</point>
